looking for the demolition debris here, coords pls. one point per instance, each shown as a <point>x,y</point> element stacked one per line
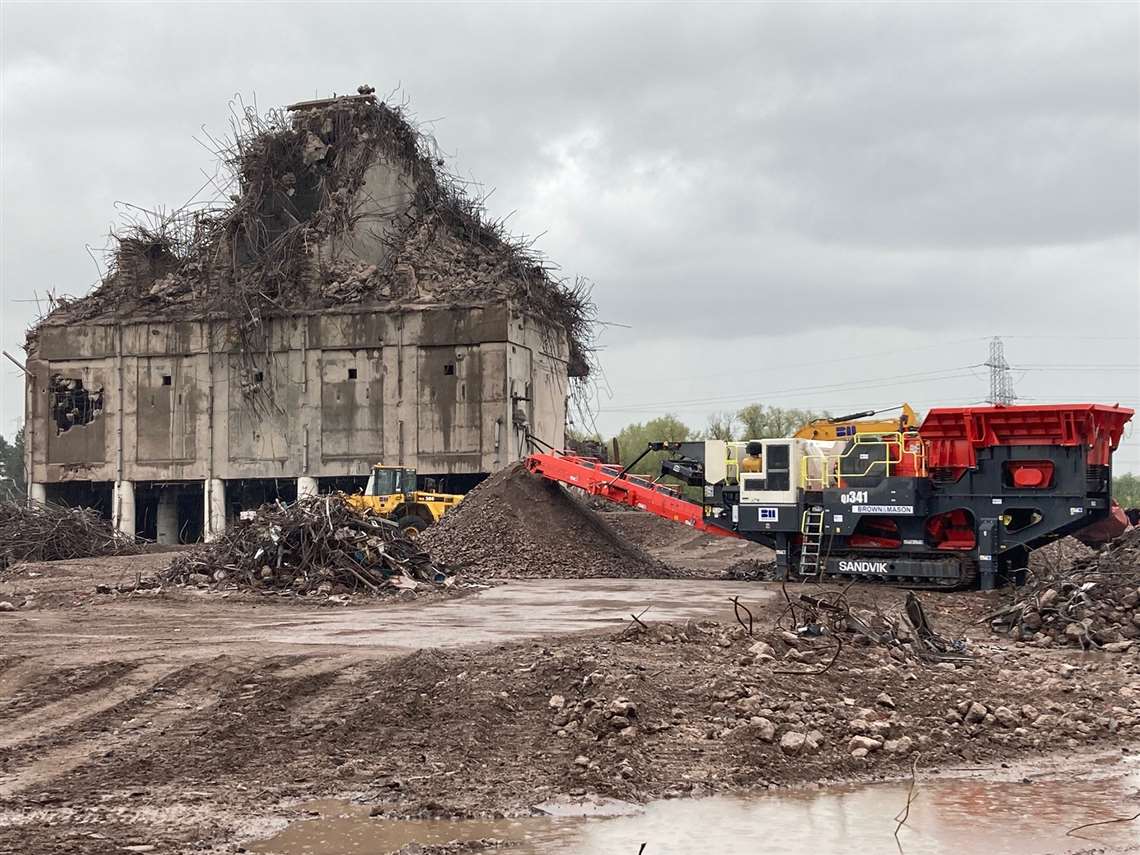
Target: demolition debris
<point>515,524</point>
<point>37,532</point>
<point>318,545</point>
<point>1093,603</point>
<point>288,236</point>
<point>832,618</point>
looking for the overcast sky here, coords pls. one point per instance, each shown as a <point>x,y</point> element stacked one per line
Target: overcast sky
<point>827,206</point>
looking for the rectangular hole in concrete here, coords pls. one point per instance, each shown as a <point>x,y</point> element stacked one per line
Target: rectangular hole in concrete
<point>449,368</point>
<point>165,379</point>
<point>72,404</point>
<point>352,374</point>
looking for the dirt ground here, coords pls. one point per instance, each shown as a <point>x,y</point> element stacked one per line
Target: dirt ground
<point>193,721</point>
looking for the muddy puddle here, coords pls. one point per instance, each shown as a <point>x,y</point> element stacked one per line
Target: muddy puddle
<point>998,812</point>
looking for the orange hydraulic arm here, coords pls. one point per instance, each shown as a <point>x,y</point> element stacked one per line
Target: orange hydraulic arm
<point>615,484</point>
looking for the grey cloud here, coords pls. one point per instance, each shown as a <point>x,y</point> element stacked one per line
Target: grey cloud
<point>778,166</point>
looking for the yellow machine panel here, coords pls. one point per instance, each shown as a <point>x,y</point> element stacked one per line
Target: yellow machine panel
<point>846,426</point>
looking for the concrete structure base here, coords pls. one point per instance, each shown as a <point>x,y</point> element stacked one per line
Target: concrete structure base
<point>123,505</point>
<point>214,509</point>
<point>306,486</point>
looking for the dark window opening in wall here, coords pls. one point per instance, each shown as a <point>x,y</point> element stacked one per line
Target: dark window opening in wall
<point>258,376</point>
<point>449,368</point>
<point>73,405</point>
<point>165,379</point>
<point>352,374</point>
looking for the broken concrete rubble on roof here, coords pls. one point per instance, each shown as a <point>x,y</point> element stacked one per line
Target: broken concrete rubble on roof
<point>303,232</point>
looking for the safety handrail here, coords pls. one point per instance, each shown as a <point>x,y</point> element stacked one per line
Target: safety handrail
<point>831,465</point>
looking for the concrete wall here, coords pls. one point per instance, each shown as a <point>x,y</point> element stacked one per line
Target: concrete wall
<point>381,206</point>
<point>324,395</point>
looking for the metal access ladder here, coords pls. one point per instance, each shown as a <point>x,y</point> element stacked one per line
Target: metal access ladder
<point>811,527</point>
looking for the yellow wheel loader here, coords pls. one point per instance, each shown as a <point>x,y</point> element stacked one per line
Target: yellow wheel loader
<point>392,493</point>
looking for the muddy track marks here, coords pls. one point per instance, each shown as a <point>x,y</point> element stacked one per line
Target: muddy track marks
<point>217,720</point>
<point>42,722</point>
<point>34,685</point>
<point>50,742</point>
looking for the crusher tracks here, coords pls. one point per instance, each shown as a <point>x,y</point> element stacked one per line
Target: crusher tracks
<point>967,577</point>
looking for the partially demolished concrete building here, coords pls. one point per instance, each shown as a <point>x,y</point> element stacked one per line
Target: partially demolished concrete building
<point>349,306</point>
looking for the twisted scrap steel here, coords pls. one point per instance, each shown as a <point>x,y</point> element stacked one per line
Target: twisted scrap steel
<point>31,531</point>
<point>320,544</point>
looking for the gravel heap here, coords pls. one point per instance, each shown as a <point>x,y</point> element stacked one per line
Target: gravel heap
<point>516,524</point>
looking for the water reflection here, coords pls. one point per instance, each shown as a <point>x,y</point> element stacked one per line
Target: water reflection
<point>948,815</point>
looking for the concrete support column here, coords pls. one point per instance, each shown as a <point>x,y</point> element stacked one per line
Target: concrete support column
<point>306,486</point>
<point>166,518</point>
<point>123,507</point>
<point>37,492</point>
<point>214,518</point>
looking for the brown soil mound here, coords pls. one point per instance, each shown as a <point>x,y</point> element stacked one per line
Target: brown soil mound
<point>517,524</point>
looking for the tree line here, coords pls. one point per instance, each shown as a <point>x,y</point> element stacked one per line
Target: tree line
<point>13,483</point>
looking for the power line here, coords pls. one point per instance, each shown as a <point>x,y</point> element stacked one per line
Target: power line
<point>1077,367</point>
<point>870,383</point>
<point>1077,337</point>
<point>847,357</point>
<point>850,357</point>
<point>814,404</point>
<point>835,406</point>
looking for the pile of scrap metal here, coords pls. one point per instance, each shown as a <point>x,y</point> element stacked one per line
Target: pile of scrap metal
<point>319,545</point>
<point>30,531</point>
<point>908,635</point>
<point>1094,603</point>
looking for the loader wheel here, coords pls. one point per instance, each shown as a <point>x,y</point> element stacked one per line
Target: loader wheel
<point>411,526</point>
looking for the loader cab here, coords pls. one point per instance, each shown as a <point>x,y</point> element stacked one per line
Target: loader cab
<point>390,481</point>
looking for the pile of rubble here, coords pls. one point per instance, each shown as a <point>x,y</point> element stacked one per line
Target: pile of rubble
<point>1093,603</point>
<point>293,237</point>
<point>37,532</point>
<point>751,570</point>
<point>516,524</point>
<point>318,545</point>
<point>1053,558</point>
<point>831,623</point>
